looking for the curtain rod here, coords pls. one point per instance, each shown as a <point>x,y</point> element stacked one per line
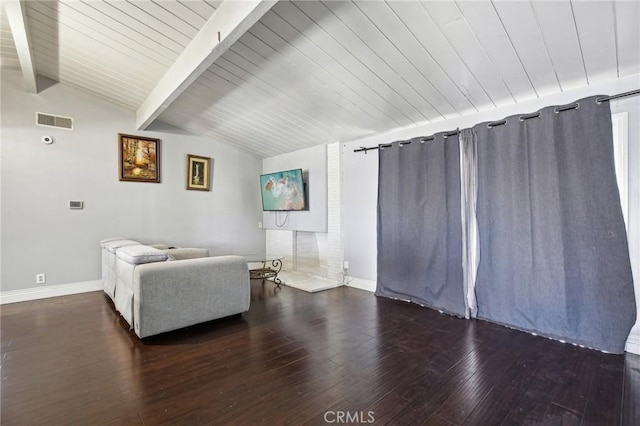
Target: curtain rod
<point>363,149</point>
<point>619,95</point>
<point>497,123</point>
<point>406,142</point>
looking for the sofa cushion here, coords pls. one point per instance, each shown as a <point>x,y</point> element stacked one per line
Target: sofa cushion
<point>186,253</point>
<point>138,254</point>
<point>114,245</point>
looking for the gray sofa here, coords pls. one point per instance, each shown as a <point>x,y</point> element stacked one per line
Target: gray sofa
<point>158,290</point>
<point>180,293</point>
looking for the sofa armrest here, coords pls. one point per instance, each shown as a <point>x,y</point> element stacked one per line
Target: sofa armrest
<point>172,295</point>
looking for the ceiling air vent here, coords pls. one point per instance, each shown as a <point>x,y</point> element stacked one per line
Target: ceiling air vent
<point>54,121</point>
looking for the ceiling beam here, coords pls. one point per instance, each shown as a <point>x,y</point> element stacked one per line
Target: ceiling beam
<point>17,16</point>
<point>227,24</point>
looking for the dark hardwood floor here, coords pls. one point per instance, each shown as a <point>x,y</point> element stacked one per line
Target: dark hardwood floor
<point>298,358</point>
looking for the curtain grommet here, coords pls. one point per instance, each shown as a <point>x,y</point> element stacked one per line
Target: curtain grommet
<point>493,124</point>
<point>558,110</point>
<point>528,116</point>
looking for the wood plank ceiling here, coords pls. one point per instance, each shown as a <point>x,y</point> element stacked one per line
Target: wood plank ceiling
<point>314,72</point>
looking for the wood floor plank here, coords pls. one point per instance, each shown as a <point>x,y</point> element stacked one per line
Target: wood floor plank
<point>631,391</point>
<point>577,378</point>
<point>505,393</point>
<point>606,390</point>
<point>557,415</point>
<point>460,405</point>
<point>528,410</point>
<point>387,407</point>
<point>427,393</point>
<point>294,358</point>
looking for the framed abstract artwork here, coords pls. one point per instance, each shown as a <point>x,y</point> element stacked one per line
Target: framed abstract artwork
<point>139,158</point>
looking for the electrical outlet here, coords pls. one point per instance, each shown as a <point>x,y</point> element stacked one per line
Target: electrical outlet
<point>345,265</point>
<point>41,278</point>
<point>260,225</point>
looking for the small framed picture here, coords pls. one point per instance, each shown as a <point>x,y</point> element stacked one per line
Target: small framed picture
<point>198,173</point>
<point>139,158</point>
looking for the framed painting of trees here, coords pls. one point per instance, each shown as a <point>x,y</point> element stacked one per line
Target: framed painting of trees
<point>139,158</point>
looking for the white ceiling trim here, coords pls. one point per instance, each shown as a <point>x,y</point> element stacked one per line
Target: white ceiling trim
<point>17,17</point>
<point>228,23</point>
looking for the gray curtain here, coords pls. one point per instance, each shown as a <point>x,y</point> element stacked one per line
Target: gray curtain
<point>554,256</point>
<point>419,231</point>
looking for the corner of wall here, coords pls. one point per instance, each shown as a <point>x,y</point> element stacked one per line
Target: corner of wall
<point>361,284</point>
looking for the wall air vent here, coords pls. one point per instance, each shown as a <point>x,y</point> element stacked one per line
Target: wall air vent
<point>54,121</point>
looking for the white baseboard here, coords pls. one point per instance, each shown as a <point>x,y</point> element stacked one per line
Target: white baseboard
<point>34,293</point>
<point>633,341</point>
<point>363,284</point>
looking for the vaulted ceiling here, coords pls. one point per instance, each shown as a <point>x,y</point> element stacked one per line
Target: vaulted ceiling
<point>289,75</point>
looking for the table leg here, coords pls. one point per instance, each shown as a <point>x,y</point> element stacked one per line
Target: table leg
<point>277,267</point>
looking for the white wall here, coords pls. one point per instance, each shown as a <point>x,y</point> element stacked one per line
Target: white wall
<point>41,235</point>
<point>359,211</point>
<point>313,162</point>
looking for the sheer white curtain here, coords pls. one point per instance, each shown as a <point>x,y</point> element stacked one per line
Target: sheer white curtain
<point>468,195</point>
